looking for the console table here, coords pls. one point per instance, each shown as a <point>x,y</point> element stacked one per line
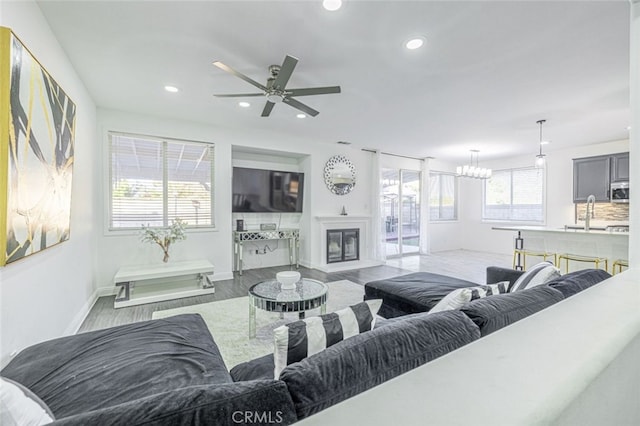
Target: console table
<point>240,237</point>
<point>136,288</point>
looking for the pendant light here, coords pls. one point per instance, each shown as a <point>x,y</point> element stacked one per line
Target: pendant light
<point>541,161</point>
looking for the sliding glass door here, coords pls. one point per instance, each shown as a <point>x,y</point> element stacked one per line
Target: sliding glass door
<point>401,206</point>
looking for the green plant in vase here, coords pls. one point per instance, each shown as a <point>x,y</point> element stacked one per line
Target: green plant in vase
<point>164,237</point>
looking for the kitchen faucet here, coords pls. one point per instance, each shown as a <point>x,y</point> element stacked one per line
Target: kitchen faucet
<point>591,201</point>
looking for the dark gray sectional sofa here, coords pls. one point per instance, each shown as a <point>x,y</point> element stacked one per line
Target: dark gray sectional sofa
<point>170,372</point>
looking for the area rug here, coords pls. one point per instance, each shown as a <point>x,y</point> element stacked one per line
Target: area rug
<point>228,321</point>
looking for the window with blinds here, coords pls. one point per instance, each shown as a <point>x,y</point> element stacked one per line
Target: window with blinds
<point>154,181</point>
<point>443,196</point>
<point>514,195</point>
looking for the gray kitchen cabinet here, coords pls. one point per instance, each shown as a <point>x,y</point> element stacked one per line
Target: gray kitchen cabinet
<point>591,175</point>
<point>620,167</point>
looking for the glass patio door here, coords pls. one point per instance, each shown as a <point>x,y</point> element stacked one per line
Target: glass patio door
<point>401,206</point>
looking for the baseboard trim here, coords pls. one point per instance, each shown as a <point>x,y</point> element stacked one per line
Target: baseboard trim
<point>347,266</point>
<point>222,276</point>
<point>77,321</point>
<point>306,264</point>
<point>107,291</point>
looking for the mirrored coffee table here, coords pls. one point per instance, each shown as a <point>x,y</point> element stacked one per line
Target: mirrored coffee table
<point>269,296</point>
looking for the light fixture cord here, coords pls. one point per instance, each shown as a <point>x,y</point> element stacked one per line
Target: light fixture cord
<point>541,121</point>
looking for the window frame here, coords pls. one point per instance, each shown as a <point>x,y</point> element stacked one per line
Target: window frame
<point>108,174</point>
<point>510,220</point>
<point>456,197</point>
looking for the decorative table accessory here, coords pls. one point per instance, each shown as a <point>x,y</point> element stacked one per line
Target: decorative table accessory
<point>164,237</point>
<point>288,279</point>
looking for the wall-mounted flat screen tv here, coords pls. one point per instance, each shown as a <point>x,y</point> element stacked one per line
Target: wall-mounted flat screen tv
<point>262,191</point>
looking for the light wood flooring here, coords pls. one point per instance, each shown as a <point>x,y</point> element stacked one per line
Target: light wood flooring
<point>464,264</point>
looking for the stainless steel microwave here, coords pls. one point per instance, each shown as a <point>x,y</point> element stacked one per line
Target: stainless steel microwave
<point>620,192</point>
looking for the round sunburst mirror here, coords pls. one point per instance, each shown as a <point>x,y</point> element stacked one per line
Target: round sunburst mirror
<point>340,175</point>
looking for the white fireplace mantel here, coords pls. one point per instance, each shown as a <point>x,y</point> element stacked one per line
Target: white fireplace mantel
<point>362,222</point>
<point>341,217</point>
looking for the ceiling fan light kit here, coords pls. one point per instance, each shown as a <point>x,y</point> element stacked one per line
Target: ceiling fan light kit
<point>275,90</point>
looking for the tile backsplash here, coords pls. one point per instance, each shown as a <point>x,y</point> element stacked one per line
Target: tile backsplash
<point>617,212</point>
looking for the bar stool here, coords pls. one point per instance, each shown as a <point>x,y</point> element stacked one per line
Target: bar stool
<point>619,264</point>
<point>619,252</point>
<point>573,247</point>
<point>535,246</point>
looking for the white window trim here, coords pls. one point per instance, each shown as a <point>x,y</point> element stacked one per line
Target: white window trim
<point>106,206</point>
<point>518,222</point>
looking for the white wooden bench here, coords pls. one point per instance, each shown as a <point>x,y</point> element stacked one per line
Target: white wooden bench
<point>140,284</point>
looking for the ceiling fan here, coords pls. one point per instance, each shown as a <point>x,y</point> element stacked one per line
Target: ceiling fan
<point>275,90</point>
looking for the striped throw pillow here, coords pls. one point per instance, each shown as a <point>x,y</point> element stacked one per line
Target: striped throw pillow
<point>539,274</point>
<point>457,298</point>
<point>295,341</point>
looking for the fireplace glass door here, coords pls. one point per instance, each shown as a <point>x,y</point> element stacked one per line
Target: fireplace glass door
<point>343,245</point>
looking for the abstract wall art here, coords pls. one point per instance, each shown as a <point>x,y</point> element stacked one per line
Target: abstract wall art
<point>37,132</point>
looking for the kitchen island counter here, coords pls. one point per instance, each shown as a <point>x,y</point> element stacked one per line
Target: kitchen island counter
<point>599,230</point>
<point>609,244</point>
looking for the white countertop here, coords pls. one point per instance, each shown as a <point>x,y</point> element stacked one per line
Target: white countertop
<point>559,230</point>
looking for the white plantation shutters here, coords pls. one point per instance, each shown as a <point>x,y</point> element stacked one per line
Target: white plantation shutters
<point>154,181</point>
<point>514,195</point>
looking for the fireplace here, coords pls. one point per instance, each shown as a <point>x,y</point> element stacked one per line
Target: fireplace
<point>343,245</point>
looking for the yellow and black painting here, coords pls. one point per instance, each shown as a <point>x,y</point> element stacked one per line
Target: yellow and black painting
<point>37,127</point>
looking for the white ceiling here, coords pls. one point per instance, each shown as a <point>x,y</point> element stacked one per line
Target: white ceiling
<point>488,72</point>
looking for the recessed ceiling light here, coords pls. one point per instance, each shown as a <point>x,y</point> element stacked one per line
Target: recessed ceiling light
<point>415,43</point>
<point>628,127</point>
<point>544,142</point>
<point>332,5</point>
<point>301,116</point>
<point>244,104</point>
<point>171,89</point>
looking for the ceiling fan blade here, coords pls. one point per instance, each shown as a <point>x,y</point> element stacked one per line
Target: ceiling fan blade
<point>284,74</point>
<point>239,75</point>
<point>314,91</point>
<point>299,105</point>
<point>239,95</point>
<point>267,109</point>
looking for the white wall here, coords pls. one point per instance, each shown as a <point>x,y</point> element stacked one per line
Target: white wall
<point>325,203</point>
<point>634,151</point>
<point>118,248</point>
<point>48,294</point>
<point>124,248</point>
<point>448,235</point>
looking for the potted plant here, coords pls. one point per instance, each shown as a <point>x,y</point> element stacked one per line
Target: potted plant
<point>164,237</point>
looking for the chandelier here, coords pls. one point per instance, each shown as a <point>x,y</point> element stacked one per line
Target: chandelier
<point>473,171</point>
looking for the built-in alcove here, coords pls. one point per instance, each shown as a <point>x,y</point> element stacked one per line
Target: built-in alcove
<point>262,245</point>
